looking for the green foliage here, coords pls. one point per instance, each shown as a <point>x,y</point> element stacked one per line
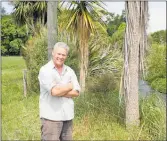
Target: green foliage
<point>156,67</point>
<point>159,37</point>
<point>13,37</point>
<point>73,60</point>
<point>103,83</point>
<point>159,84</point>
<point>15,46</point>
<point>153,116</point>
<point>118,37</point>
<point>103,57</point>
<point>3,50</point>
<point>35,55</point>
<point>30,12</point>
<point>114,22</point>
<point>83,15</point>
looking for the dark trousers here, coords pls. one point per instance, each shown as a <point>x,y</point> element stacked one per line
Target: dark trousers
<point>56,130</point>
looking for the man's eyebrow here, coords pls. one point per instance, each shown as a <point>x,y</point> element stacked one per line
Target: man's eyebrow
<point>62,54</point>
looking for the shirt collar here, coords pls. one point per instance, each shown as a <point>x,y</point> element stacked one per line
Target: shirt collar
<point>53,66</point>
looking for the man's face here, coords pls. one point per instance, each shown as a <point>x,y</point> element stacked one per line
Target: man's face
<point>59,56</point>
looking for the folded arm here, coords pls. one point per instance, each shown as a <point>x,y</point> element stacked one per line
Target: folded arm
<point>72,93</point>
<point>65,91</point>
<point>61,90</point>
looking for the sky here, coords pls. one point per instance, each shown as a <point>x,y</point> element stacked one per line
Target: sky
<point>157,12</point>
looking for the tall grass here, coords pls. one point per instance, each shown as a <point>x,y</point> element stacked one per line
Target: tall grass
<point>153,116</point>
<point>98,116</point>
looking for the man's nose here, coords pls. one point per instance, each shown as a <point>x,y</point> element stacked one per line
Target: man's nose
<point>61,56</point>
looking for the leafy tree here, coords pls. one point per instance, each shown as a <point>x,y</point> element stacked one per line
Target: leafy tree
<point>114,21</point>
<point>15,46</point>
<point>159,37</point>
<point>12,36</point>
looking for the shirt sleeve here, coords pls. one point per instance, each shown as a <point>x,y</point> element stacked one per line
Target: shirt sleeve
<point>75,82</point>
<point>46,81</point>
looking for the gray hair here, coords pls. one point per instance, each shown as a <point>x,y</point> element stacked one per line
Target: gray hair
<point>61,45</point>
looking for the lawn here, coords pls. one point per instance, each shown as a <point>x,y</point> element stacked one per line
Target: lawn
<point>20,119</point>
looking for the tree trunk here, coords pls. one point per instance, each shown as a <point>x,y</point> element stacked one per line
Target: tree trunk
<point>82,66</point>
<point>83,34</point>
<point>51,25</point>
<point>134,21</point>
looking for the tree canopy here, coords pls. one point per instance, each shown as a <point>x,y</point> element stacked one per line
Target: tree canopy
<point>12,36</point>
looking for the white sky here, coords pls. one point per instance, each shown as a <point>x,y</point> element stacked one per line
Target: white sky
<point>157,11</point>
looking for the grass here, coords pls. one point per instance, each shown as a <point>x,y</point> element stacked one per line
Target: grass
<point>97,116</point>
<point>19,114</point>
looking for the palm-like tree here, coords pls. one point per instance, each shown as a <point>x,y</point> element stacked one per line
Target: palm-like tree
<point>33,12</point>
<point>83,15</point>
<point>135,42</point>
<point>30,13</point>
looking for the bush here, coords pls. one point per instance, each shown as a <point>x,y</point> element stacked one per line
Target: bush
<point>159,84</point>
<point>35,55</point>
<point>156,67</point>
<point>103,84</point>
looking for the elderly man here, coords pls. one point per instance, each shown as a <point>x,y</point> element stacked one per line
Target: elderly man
<point>58,85</point>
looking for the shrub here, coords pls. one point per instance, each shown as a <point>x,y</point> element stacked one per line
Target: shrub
<point>103,83</point>
<point>35,55</point>
<point>156,67</point>
<point>159,84</point>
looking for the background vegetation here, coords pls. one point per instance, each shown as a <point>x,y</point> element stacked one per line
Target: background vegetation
<point>98,114</point>
<point>13,37</point>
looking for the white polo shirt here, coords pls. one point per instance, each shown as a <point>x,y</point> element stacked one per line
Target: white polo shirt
<point>54,107</point>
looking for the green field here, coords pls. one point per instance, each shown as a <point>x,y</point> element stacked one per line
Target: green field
<point>97,117</point>
<point>19,114</point>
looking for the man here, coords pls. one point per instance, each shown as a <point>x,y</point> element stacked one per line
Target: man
<point>58,85</point>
